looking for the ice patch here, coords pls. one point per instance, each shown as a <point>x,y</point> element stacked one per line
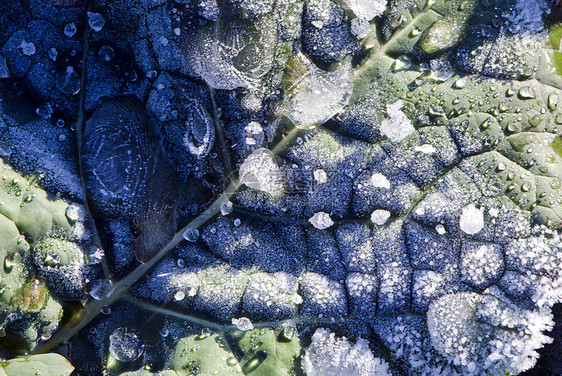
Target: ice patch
<point>425,148</point>
<point>397,126</point>
<point>472,219</point>
<point>259,171</point>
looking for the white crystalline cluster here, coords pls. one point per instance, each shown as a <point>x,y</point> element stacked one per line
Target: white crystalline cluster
<point>315,96</point>
<point>321,220</point>
<point>259,171</point>
<point>483,334</point>
<point>471,220</point>
<point>397,126</point>
<point>331,356</point>
<point>366,9</point>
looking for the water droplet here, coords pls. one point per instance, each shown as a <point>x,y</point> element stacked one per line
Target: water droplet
<point>402,63</point>
<point>101,289</point>
<point>526,187</point>
<point>461,83</point>
<point>106,53</point>
<point>510,92</point>
<point>45,110</point>
<point>552,101</point>
<point>96,21</point>
<point>535,121</point>
<point>243,323</point>
<point>60,123</point>
<point>288,332</point>
<point>231,361</point>
<point>164,332</point>
<point>526,92</point>
<point>126,344</point>
<point>180,263</point>
<point>68,81</point>
<point>191,234</point>
<point>105,310</point>
<point>237,222</point>
<point>70,30</point>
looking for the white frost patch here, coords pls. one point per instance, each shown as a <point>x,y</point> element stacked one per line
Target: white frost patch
<point>397,126</point>
<point>379,216</point>
<point>259,171</point>
<point>321,220</point>
<point>331,356</point>
<point>360,27</point>
<point>320,176</point>
<point>380,181</point>
<point>472,219</point>
<point>425,148</point>
<point>367,9</point>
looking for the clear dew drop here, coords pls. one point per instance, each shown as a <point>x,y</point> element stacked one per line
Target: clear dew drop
<point>45,110</point>
<point>526,92</point>
<point>552,101</point>
<point>106,53</point>
<point>70,30</point>
<point>96,21</point>
<point>191,234</point>
<point>126,345</point>
<point>101,289</point>
<point>243,323</point>
<point>402,63</point>
<point>68,81</point>
<point>105,310</point>
<point>461,83</point>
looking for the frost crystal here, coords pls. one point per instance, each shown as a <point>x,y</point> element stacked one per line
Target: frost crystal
<point>259,171</point>
<point>367,9</point>
<point>321,220</point>
<point>379,217</point>
<point>472,219</point>
<point>27,48</point>
<point>397,126</point>
<point>328,356</point>
<point>425,148</point>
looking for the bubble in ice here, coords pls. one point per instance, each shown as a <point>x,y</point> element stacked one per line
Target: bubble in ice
<point>96,21</point>
<point>243,323</point>
<point>70,29</point>
<point>68,81</point>
<point>199,136</point>
<point>101,289</point>
<point>226,208</point>
<point>321,220</point>
<point>471,220</point>
<point>126,344</point>
<point>191,234</point>
<point>260,171</point>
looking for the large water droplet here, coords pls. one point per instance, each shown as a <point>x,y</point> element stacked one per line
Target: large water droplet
<point>96,21</point>
<point>101,289</point>
<point>68,81</point>
<point>526,92</point>
<point>243,323</point>
<point>191,234</point>
<point>126,344</point>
